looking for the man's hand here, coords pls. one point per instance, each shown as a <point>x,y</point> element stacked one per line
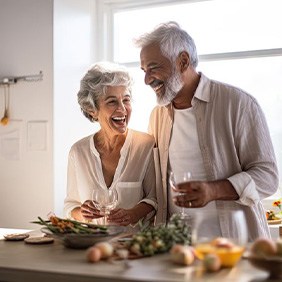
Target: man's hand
<point>196,194</point>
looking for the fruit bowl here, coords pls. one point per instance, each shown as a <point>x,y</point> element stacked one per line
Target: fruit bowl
<point>271,264</point>
<point>229,256</point>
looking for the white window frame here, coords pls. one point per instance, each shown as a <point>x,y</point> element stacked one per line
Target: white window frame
<point>107,8</point>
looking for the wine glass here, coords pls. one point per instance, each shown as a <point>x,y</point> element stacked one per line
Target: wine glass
<point>174,180</point>
<point>228,246</point>
<point>104,200</point>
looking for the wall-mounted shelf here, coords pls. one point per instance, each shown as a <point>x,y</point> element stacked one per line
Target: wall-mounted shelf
<point>13,80</point>
<point>5,83</point>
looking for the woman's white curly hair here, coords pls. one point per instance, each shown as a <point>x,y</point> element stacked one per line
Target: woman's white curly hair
<point>95,82</point>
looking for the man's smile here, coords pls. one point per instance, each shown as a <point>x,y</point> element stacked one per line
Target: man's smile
<point>157,85</point>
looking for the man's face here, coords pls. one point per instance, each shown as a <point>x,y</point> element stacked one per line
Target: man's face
<point>160,74</point>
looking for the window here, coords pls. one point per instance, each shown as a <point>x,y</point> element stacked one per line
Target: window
<point>239,42</point>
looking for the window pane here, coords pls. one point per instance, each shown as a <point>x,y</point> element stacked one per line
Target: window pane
<point>217,26</point>
<point>247,74</point>
<point>144,100</point>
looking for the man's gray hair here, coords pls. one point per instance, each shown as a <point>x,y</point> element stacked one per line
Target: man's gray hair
<point>172,41</point>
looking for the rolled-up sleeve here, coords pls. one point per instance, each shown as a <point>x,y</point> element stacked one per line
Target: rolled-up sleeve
<point>245,188</point>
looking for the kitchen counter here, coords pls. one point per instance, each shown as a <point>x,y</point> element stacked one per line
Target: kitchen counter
<point>24,262</point>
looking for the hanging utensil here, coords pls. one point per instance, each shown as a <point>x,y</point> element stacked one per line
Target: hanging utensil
<point>5,119</point>
<point>6,82</point>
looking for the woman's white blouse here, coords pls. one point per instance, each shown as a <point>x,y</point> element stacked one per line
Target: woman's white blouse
<point>134,178</point>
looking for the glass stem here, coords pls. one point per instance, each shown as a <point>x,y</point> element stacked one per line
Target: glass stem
<point>105,216</point>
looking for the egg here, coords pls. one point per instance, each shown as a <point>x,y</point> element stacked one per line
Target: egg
<point>182,254</point>
<point>106,249</point>
<point>264,247</point>
<point>212,262</point>
<point>93,254</point>
<point>221,242</point>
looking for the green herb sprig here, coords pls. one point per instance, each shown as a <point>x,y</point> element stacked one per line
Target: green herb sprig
<point>159,239</point>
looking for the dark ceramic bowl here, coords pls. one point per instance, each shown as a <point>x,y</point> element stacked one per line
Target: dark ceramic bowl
<point>271,264</point>
<point>83,241</point>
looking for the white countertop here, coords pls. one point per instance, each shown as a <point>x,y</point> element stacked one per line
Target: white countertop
<point>23,262</point>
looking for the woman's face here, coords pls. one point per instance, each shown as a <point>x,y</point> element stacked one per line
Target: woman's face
<point>114,110</point>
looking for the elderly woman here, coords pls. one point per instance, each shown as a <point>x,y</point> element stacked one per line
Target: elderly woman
<point>115,156</point>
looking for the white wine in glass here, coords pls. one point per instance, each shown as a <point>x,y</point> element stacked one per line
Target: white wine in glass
<point>104,200</point>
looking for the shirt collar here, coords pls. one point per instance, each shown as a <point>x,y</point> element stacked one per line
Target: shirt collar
<point>203,90</point>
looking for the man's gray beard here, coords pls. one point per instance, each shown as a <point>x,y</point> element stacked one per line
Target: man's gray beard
<point>172,87</point>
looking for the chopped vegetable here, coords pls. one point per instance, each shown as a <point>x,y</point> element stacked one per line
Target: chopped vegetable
<point>270,215</point>
<point>65,226</point>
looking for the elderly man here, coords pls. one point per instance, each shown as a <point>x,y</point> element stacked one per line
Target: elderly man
<point>214,130</point>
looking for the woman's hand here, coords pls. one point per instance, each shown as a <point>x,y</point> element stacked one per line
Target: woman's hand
<point>122,217</point>
<point>88,211</point>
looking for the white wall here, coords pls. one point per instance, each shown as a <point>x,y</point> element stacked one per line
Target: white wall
<point>74,51</point>
<point>26,176</point>
<point>55,36</point>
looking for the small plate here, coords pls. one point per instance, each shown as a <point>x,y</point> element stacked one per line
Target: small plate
<point>39,240</point>
<point>83,241</point>
<point>16,236</point>
<point>274,221</point>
